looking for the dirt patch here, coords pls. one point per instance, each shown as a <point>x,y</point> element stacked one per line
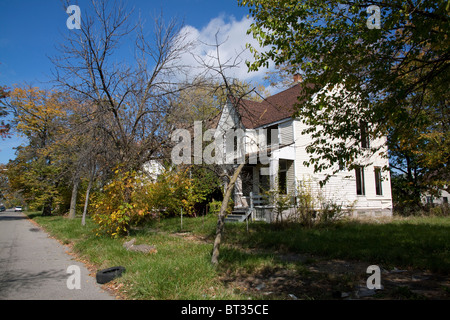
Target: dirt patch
<point>191,237</point>
<point>319,278</point>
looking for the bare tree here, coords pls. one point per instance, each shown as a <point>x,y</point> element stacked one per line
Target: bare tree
<point>235,91</point>
<point>131,93</point>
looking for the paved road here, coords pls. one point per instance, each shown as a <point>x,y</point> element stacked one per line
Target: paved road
<point>35,267</point>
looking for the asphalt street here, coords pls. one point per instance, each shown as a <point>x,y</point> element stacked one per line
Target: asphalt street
<point>34,266</point>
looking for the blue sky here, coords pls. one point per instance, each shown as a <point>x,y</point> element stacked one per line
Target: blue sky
<point>31,29</point>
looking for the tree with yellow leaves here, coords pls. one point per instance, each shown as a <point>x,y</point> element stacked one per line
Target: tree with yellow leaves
<point>41,117</point>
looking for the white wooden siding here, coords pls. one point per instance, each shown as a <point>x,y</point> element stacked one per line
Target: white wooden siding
<point>341,188</point>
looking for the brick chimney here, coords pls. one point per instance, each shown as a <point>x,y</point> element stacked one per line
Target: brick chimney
<point>297,78</point>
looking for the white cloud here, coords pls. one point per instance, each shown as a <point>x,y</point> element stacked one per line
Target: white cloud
<point>232,35</point>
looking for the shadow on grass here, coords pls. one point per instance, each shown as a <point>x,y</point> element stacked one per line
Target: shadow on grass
<point>34,215</point>
<point>238,258</point>
<point>422,244</point>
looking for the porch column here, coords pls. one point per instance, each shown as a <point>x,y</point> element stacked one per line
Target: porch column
<point>274,163</point>
<point>255,188</point>
<point>238,192</point>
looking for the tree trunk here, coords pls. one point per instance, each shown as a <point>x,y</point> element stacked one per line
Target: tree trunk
<point>73,200</point>
<point>83,220</point>
<point>223,214</point>
<point>47,210</point>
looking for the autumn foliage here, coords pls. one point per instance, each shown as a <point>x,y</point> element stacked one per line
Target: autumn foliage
<point>132,197</point>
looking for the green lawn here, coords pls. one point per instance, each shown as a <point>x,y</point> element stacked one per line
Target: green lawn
<point>181,268</point>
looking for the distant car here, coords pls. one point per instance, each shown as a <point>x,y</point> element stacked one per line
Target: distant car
<point>2,208</point>
<point>17,208</point>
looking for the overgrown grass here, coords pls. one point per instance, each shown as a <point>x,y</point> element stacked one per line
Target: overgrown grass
<point>181,268</point>
<point>421,242</point>
<point>418,242</point>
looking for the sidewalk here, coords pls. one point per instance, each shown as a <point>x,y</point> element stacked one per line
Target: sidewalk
<point>35,267</point>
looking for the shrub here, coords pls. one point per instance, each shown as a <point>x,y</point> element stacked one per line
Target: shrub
<point>433,210</point>
<point>281,203</point>
<point>330,212</point>
<point>130,197</point>
<point>113,208</point>
<point>175,190</point>
<point>313,207</point>
<point>441,210</point>
<point>214,206</point>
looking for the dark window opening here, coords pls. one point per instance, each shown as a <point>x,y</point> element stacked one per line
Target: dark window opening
<point>271,135</point>
<point>378,186</point>
<point>282,176</point>
<point>341,165</point>
<point>359,173</point>
<point>364,134</point>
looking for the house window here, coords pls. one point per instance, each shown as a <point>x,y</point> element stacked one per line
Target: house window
<point>271,135</point>
<point>359,174</point>
<point>445,199</point>
<point>341,159</point>
<point>247,180</point>
<point>429,200</point>
<point>378,187</point>
<point>282,176</point>
<point>364,134</point>
<point>341,165</point>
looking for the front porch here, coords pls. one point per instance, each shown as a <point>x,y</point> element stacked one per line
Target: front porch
<point>259,209</point>
<point>255,187</point>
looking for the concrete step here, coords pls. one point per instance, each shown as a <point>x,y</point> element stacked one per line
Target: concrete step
<point>237,215</point>
<point>234,218</point>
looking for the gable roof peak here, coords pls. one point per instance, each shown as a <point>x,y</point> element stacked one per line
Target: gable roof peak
<point>277,107</point>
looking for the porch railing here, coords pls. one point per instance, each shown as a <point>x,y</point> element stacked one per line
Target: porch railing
<point>260,207</point>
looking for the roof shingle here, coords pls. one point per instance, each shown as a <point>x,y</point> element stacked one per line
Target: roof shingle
<point>274,108</point>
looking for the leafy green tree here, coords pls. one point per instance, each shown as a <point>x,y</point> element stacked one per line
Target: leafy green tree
<point>420,160</point>
<point>394,77</point>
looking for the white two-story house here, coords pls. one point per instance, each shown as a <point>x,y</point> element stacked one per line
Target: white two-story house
<point>274,150</point>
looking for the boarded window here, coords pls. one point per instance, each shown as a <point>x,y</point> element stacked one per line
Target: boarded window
<point>290,177</point>
<point>286,133</point>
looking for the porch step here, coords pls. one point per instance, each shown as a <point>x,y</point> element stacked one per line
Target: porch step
<point>238,215</point>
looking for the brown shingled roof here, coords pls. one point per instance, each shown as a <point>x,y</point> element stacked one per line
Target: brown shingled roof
<point>274,108</point>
